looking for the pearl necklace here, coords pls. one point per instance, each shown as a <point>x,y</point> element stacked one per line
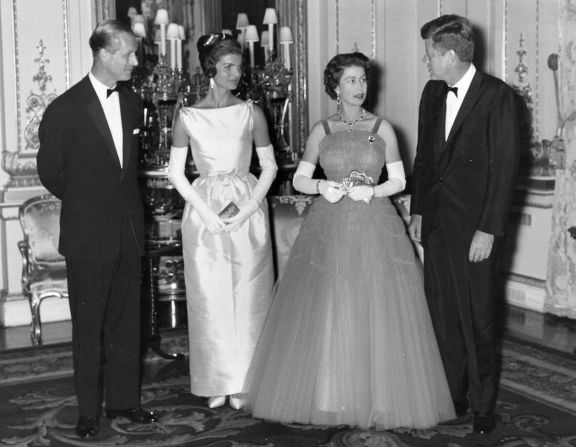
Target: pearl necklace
<point>352,123</point>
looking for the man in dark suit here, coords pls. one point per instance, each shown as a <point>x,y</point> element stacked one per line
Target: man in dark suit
<point>464,179</point>
<point>88,159</point>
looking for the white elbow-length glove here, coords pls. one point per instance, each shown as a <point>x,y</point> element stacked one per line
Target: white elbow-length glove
<point>176,175</point>
<point>304,182</point>
<point>268,171</point>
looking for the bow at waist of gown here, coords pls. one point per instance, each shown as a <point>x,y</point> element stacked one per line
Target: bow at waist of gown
<point>233,172</point>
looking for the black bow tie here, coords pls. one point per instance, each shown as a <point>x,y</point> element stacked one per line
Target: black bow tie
<point>109,91</point>
<point>452,89</point>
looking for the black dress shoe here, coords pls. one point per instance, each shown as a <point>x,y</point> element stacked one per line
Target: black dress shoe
<point>87,427</point>
<point>484,423</point>
<point>138,415</point>
<point>461,407</point>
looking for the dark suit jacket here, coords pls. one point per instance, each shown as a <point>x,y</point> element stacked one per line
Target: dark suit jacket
<point>468,181</point>
<point>78,163</point>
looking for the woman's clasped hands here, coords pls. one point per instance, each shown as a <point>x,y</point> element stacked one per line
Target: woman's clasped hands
<point>361,192</point>
<point>236,221</point>
<point>334,191</point>
<point>216,224</point>
<point>331,190</point>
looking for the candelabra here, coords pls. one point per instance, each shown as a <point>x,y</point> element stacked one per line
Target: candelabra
<point>270,85</point>
<point>276,82</point>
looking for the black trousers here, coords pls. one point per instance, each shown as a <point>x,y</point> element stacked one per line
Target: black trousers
<point>105,310</point>
<point>461,299</point>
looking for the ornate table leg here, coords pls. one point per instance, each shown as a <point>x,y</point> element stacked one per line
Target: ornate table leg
<point>153,336</point>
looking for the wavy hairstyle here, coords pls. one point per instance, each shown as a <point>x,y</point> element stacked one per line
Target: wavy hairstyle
<point>105,35</point>
<point>211,47</point>
<point>335,68</point>
<point>451,32</point>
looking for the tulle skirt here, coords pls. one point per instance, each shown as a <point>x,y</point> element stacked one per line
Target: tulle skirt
<point>348,339</point>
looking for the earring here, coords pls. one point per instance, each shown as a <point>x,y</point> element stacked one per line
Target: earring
<point>211,82</point>
<point>338,100</point>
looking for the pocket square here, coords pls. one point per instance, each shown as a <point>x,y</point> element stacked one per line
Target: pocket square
<point>136,131</point>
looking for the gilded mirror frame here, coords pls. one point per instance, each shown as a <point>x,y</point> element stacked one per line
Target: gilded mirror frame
<point>292,13</point>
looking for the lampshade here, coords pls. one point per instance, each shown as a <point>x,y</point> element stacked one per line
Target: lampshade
<point>270,17</point>
<point>227,31</point>
<point>264,38</point>
<point>242,20</point>
<point>286,35</point>
<point>172,31</point>
<point>132,11</point>
<point>138,18</point>
<point>252,34</point>
<point>182,32</point>
<point>139,29</point>
<point>161,17</point>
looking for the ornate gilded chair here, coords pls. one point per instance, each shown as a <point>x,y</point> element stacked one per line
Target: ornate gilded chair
<point>287,214</point>
<point>43,268</point>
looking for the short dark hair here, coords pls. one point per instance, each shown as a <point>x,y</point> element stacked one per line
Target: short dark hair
<point>211,47</point>
<point>451,32</point>
<point>105,35</point>
<point>335,68</point>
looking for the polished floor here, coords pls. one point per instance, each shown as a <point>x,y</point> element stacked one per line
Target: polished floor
<point>547,330</point>
<point>533,327</point>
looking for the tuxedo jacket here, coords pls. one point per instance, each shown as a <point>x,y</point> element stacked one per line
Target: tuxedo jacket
<point>78,163</point>
<point>466,181</point>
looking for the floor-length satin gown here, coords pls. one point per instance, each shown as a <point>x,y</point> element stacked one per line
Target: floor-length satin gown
<point>349,339</point>
<point>229,276</point>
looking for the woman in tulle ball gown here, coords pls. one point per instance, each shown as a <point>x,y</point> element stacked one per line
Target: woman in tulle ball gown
<point>227,251</point>
<point>348,339</point>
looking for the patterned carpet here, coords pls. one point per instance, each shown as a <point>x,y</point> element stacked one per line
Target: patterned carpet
<point>536,408</point>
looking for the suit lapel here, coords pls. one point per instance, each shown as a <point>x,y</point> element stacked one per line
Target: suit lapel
<point>127,127</point>
<point>468,104</point>
<point>440,124</point>
<point>470,101</point>
<point>97,115</point>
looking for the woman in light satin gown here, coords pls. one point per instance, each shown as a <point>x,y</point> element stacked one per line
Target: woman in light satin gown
<point>228,264</point>
<point>349,339</point>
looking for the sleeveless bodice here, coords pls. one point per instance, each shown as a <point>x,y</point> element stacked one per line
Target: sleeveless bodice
<point>221,139</point>
<point>359,150</point>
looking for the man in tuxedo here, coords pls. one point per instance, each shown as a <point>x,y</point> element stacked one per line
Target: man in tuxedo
<point>88,159</point>
<point>463,183</point>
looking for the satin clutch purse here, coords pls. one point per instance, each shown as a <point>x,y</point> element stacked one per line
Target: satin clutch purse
<point>355,178</point>
<point>229,210</point>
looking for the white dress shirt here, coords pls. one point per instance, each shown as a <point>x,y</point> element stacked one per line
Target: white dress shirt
<point>454,102</point>
<point>111,106</point>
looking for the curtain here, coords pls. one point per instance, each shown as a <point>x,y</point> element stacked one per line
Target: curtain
<point>561,276</point>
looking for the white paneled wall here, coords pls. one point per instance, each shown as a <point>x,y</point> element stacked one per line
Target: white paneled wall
<point>45,50</point>
<point>387,30</point>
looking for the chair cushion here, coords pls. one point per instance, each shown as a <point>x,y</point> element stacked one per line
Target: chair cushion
<point>50,285</point>
<point>41,223</point>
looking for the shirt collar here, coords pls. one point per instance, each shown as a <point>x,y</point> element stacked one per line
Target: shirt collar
<point>464,82</point>
<point>99,87</point>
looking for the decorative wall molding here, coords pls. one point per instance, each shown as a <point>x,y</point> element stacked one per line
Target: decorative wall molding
<point>104,9</point>
<point>293,14</point>
<point>20,162</point>
<point>6,297</point>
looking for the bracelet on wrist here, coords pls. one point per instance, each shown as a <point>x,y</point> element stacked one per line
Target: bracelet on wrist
<point>318,186</point>
<point>369,198</point>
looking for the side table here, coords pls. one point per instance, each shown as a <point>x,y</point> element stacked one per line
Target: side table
<point>152,335</point>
